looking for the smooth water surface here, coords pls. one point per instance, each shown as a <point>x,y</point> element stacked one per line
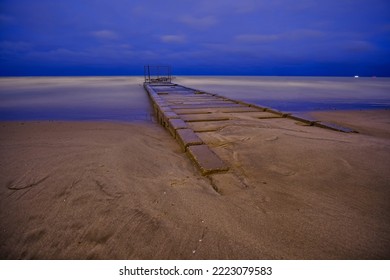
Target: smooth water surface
<point>74,98</point>
<point>299,94</point>
<point>124,98</point>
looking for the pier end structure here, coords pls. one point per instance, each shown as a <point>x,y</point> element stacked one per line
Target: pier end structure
<point>157,73</point>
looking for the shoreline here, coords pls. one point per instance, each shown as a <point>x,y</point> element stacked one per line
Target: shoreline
<point>125,190</point>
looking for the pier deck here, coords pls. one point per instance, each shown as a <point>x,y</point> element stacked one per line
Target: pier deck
<point>190,115</point>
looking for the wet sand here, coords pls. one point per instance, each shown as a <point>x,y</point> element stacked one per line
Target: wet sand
<point>111,190</point>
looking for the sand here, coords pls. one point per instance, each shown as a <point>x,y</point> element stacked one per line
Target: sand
<point>111,190</point>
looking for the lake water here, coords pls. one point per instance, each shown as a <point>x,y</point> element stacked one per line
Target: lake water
<point>74,98</point>
<point>124,99</point>
<point>300,94</point>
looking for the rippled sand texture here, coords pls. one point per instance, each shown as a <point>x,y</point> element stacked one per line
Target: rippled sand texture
<point>89,190</point>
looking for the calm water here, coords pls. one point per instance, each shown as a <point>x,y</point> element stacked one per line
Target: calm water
<point>74,98</point>
<point>300,94</point>
<point>123,98</point>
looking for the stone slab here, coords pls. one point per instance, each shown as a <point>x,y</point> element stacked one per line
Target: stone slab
<point>208,126</point>
<point>239,110</point>
<point>262,108</point>
<point>163,108</point>
<point>151,93</point>
<point>179,94</point>
<point>334,126</point>
<point>303,119</point>
<point>276,112</point>
<point>208,103</point>
<point>176,124</point>
<point>167,89</point>
<point>218,116</point>
<point>176,94</point>
<point>164,88</point>
<point>191,98</point>
<point>186,137</point>
<point>197,102</point>
<point>201,103</point>
<point>203,118</point>
<point>222,105</point>
<point>206,160</point>
<point>216,110</point>
<point>161,103</point>
<point>163,84</point>
<point>193,111</point>
<point>248,115</point>
<point>170,115</point>
<point>156,97</point>
<point>212,138</point>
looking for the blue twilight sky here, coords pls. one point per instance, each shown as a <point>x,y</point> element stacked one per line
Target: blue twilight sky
<point>209,37</point>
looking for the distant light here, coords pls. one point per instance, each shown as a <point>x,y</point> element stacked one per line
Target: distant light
<point>356,76</point>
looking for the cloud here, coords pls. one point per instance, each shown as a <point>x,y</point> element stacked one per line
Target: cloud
<point>125,46</point>
<point>105,34</point>
<point>6,19</point>
<point>385,28</point>
<point>296,34</point>
<point>62,52</point>
<point>305,33</point>
<point>198,22</point>
<point>359,46</point>
<point>98,54</point>
<point>244,7</point>
<point>256,38</point>
<point>172,39</point>
<point>15,46</point>
<point>225,7</point>
<point>63,55</point>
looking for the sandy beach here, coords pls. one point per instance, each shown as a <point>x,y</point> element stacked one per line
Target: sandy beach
<point>112,190</point>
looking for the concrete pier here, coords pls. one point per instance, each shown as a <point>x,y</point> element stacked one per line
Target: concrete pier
<point>188,112</point>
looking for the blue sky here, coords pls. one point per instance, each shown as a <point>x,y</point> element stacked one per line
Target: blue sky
<point>206,37</point>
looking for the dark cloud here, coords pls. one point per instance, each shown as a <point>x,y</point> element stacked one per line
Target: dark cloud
<point>4,19</point>
<point>359,46</point>
<point>257,38</point>
<point>105,34</point>
<point>173,38</point>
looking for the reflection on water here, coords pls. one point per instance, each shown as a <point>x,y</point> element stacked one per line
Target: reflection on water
<point>74,98</point>
<point>299,94</point>
<point>123,98</point>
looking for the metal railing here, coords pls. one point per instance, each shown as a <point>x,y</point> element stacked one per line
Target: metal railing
<point>157,74</point>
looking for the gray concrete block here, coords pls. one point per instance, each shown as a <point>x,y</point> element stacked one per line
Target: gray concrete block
<point>186,137</point>
<point>206,160</point>
<point>334,126</point>
<point>203,118</point>
<point>175,124</point>
<point>213,105</point>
